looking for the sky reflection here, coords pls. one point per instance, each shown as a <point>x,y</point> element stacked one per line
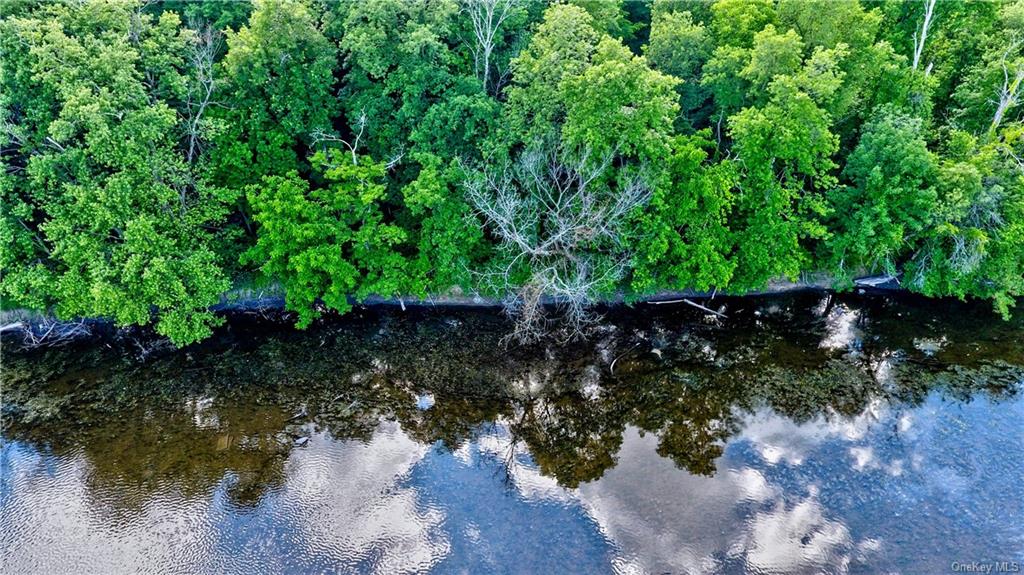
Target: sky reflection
<point>880,491</point>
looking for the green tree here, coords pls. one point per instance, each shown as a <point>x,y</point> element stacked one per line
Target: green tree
<point>956,40</point>
<point>219,15</point>
<point>331,242</point>
<point>402,63</point>
<point>990,92</point>
<point>105,216</point>
<point>976,245</point>
<point>279,80</point>
<point>609,17</point>
<point>881,216</point>
<point>619,105</point>
<point>735,22</point>
<point>680,46</point>
<point>684,240</point>
<point>785,149</point>
<point>560,49</point>
<point>449,240</point>
<point>590,127</point>
<point>784,143</point>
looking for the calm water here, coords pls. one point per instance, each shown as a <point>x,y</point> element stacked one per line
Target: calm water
<point>802,434</point>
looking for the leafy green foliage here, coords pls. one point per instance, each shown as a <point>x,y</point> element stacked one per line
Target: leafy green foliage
<point>684,238</point>
<point>785,146</point>
<point>618,104</point>
<point>357,148</point>
<point>279,75</point>
<point>449,242</point>
<point>976,246</point>
<point>735,22</point>
<point>105,217</point>
<point>220,15</point>
<point>609,17</point>
<point>680,46</point>
<point>891,200</point>
<point>561,48</point>
<point>328,242</point>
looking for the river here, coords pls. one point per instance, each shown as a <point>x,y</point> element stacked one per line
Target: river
<point>803,433</point>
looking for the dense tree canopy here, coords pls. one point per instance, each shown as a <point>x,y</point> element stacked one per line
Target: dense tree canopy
<point>156,153</point>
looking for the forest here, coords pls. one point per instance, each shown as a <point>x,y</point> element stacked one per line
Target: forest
<point>156,154</point>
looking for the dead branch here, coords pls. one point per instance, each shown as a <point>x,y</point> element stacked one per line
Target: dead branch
<point>1008,92</point>
<point>321,138</point>
<point>49,332</point>
<point>205,44</point>
<point>690,302</point>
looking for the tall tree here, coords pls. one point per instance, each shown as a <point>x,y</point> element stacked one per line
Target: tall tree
<point>489,19</point>
<point>279,80</point>
<point>684,240</point>
<point>328,242</point>
<point>105,216</point>
<point>785,146</point>
<point>589,124</point>
<point>976,245</point>
<point>402,61</point>
<point>881,217</point>
<point>561,48</point>
<point>990,92</point>
<point>680,46</point>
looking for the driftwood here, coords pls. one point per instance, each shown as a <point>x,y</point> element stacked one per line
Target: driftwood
<point>882,283</point>
<point>690,302</point>
<point>47,333</point>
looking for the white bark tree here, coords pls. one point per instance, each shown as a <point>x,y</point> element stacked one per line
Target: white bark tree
<point>920,37</point>
<point>555,215</point>
<point>321,137</point>
<point>487,17</point>
<point>1009,92</point>
<point>203,47</point>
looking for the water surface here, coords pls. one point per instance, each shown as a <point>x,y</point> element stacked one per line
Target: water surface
<point>801,434</point>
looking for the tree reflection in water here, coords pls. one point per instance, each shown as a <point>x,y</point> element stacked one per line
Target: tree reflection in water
<point>238,406</point>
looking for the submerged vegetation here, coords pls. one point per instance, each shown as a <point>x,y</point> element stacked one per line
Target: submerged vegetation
<point>243,400</point>
<point>156,152</point>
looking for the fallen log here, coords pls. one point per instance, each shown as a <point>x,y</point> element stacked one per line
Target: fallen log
<point>693,303</point>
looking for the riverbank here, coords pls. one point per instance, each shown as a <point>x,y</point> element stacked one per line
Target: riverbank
<point>32,328</point>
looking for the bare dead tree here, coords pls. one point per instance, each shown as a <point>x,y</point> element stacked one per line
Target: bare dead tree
<point>923,259</point>
<point>487,17</point>
<point>395,159</point>
<point>1018,159</point>
<point>920,37</point>
<point>203,47</point>
<point>555,213</point>
<point>1009,92</point>
<point>320,137</point>
<point>985,211</point>
<point>963,248</point>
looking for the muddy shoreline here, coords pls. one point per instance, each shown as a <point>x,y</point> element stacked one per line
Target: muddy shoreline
<point>31,328</point>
